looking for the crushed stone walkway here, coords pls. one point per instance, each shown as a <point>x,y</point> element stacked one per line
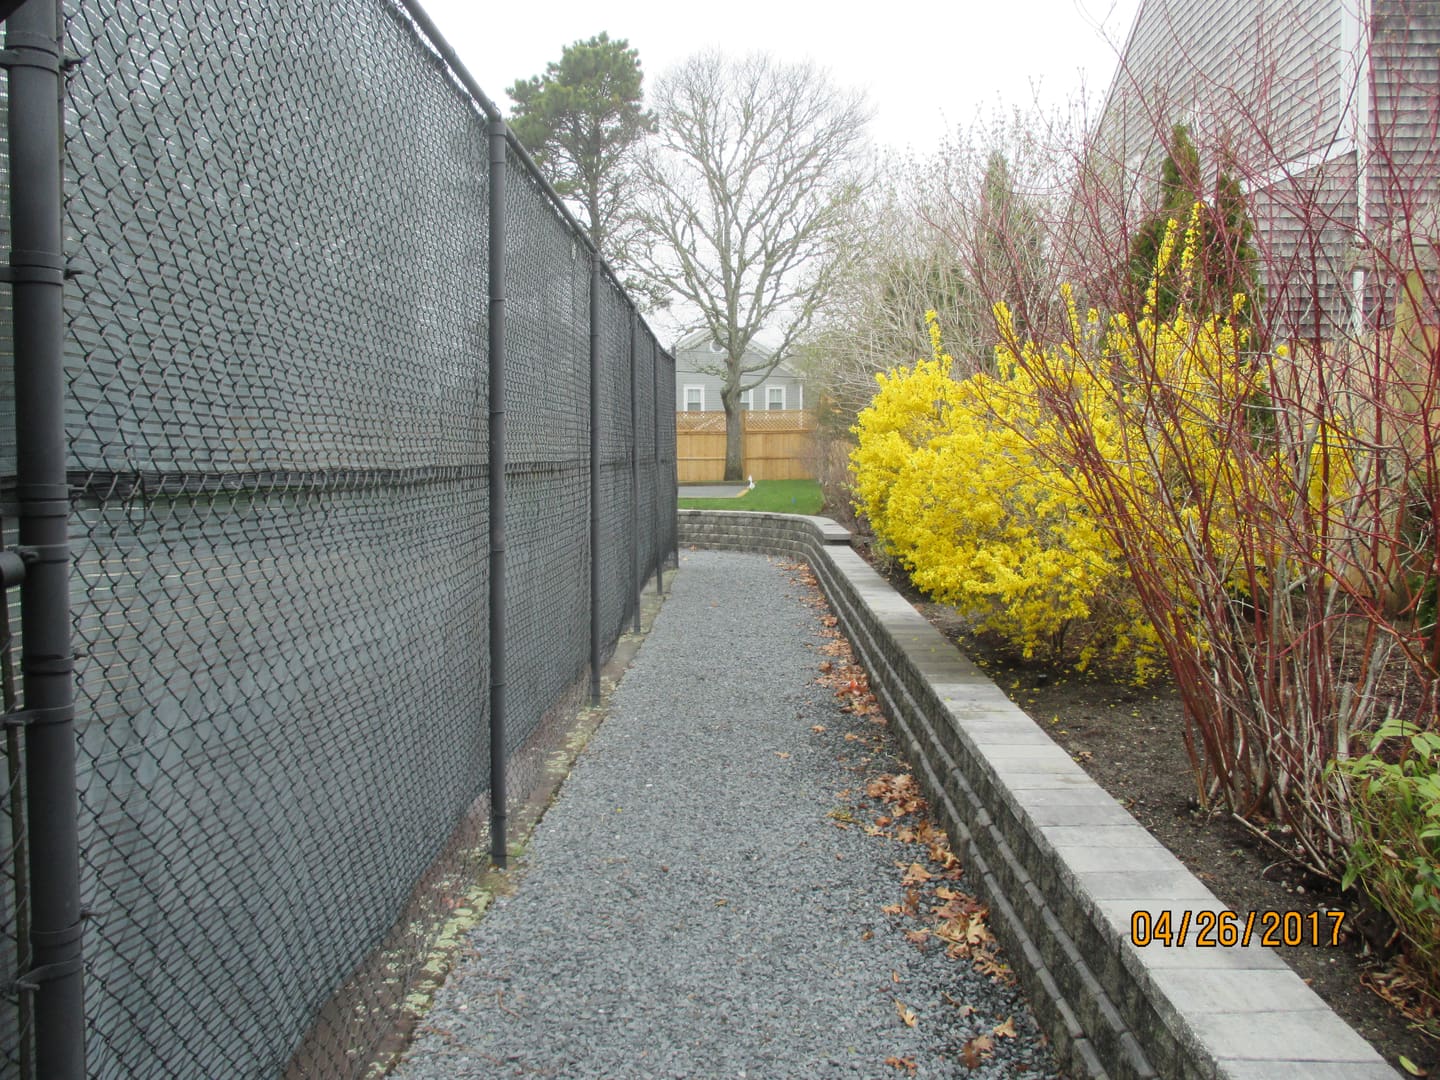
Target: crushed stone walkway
<point>691,905</point>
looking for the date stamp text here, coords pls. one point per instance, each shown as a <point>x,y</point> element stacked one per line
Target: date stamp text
<point>1224,929</point>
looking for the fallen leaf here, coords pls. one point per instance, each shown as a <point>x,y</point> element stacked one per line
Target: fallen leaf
<point>827,666</point>
<point>1005,1030</point>
<point>952,909</point>
<point>944,857</point>
<point>781,754</point>
<point>988,965</point>
<point>818,729</point>
<point>893,909</point>
<point>894,976</point>
<point>1411,1068</point>
<point>917,937</point>
<point>906,1063</point>
<point>965,1010</point>
<point>867,935</point>
<point>976,1051</point>
<point>906,1014</point>
<point>916,875</point>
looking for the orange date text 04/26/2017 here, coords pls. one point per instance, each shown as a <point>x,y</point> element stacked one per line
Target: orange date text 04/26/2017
<point>1226,929</point>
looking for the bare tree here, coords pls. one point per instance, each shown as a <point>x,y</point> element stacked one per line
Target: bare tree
<point>951,232</point>
<point>750,181</point>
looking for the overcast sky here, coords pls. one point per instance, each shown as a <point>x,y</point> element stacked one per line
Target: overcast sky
<point>927,67</point>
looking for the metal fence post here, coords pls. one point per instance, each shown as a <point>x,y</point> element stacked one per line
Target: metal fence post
<point>636,577</point>
<point>498,165</point>
<point>595,479</point>
<point>37,268</point>
<point>674,478</point>
<point>655,478</point>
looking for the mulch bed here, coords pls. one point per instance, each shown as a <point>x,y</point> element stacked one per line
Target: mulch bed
<point>1130,741</point>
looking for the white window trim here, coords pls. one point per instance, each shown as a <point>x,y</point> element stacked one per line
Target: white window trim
<point>686,398</point>
<point>769,391</point>
<point>747,400</point>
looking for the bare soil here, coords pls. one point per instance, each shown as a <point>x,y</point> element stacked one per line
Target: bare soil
<point>1131,742</point>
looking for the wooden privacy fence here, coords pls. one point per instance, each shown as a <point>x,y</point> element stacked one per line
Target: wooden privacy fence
<point>778,445</point>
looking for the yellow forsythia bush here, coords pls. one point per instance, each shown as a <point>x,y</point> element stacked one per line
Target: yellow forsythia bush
<point>1013,494</point>
<point>956,484</point>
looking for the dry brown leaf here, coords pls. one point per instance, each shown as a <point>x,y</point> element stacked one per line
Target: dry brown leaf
<point>976,1051</point>
<point>906,1014</point>
<point>952,909</point>
<point>988,965</point>
<point>965,1010</point>
<point>1005,1030</point>
<point>954,929</point>
<point>916,875</point>
<point>906,1063</point>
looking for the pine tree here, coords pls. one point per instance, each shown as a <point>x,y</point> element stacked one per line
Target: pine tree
<point>581,120</point>
<point>1226,262</point>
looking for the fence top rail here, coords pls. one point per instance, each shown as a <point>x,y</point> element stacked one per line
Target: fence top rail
<point>430,35</point>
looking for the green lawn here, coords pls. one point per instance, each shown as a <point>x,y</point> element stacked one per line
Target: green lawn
<point>779,496</point>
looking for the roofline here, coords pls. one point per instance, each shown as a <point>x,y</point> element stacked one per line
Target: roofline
<point>697,337</point>
<point>1120,63</point>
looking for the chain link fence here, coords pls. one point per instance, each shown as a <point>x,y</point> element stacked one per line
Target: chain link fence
<point>277,365</point>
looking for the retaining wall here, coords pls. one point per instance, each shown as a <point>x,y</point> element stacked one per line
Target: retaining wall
<point>1061,863</point>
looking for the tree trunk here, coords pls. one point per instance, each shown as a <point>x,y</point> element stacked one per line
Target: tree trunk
<point>734,436</point>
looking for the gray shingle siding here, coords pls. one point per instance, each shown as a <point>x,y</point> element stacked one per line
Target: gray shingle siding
<point>1275,81</point>
<point>1219,67</point>
<point>696,364</point>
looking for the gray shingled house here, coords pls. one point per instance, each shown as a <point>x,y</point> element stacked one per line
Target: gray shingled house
<point>698,361</point>
<point>1328,110</point>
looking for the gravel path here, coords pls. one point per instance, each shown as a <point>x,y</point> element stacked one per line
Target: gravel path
<point>687,908</point>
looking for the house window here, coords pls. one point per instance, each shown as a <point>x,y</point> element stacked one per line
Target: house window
<point>775,397</point>
<point>747,400</point>
<point>694,399</point>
